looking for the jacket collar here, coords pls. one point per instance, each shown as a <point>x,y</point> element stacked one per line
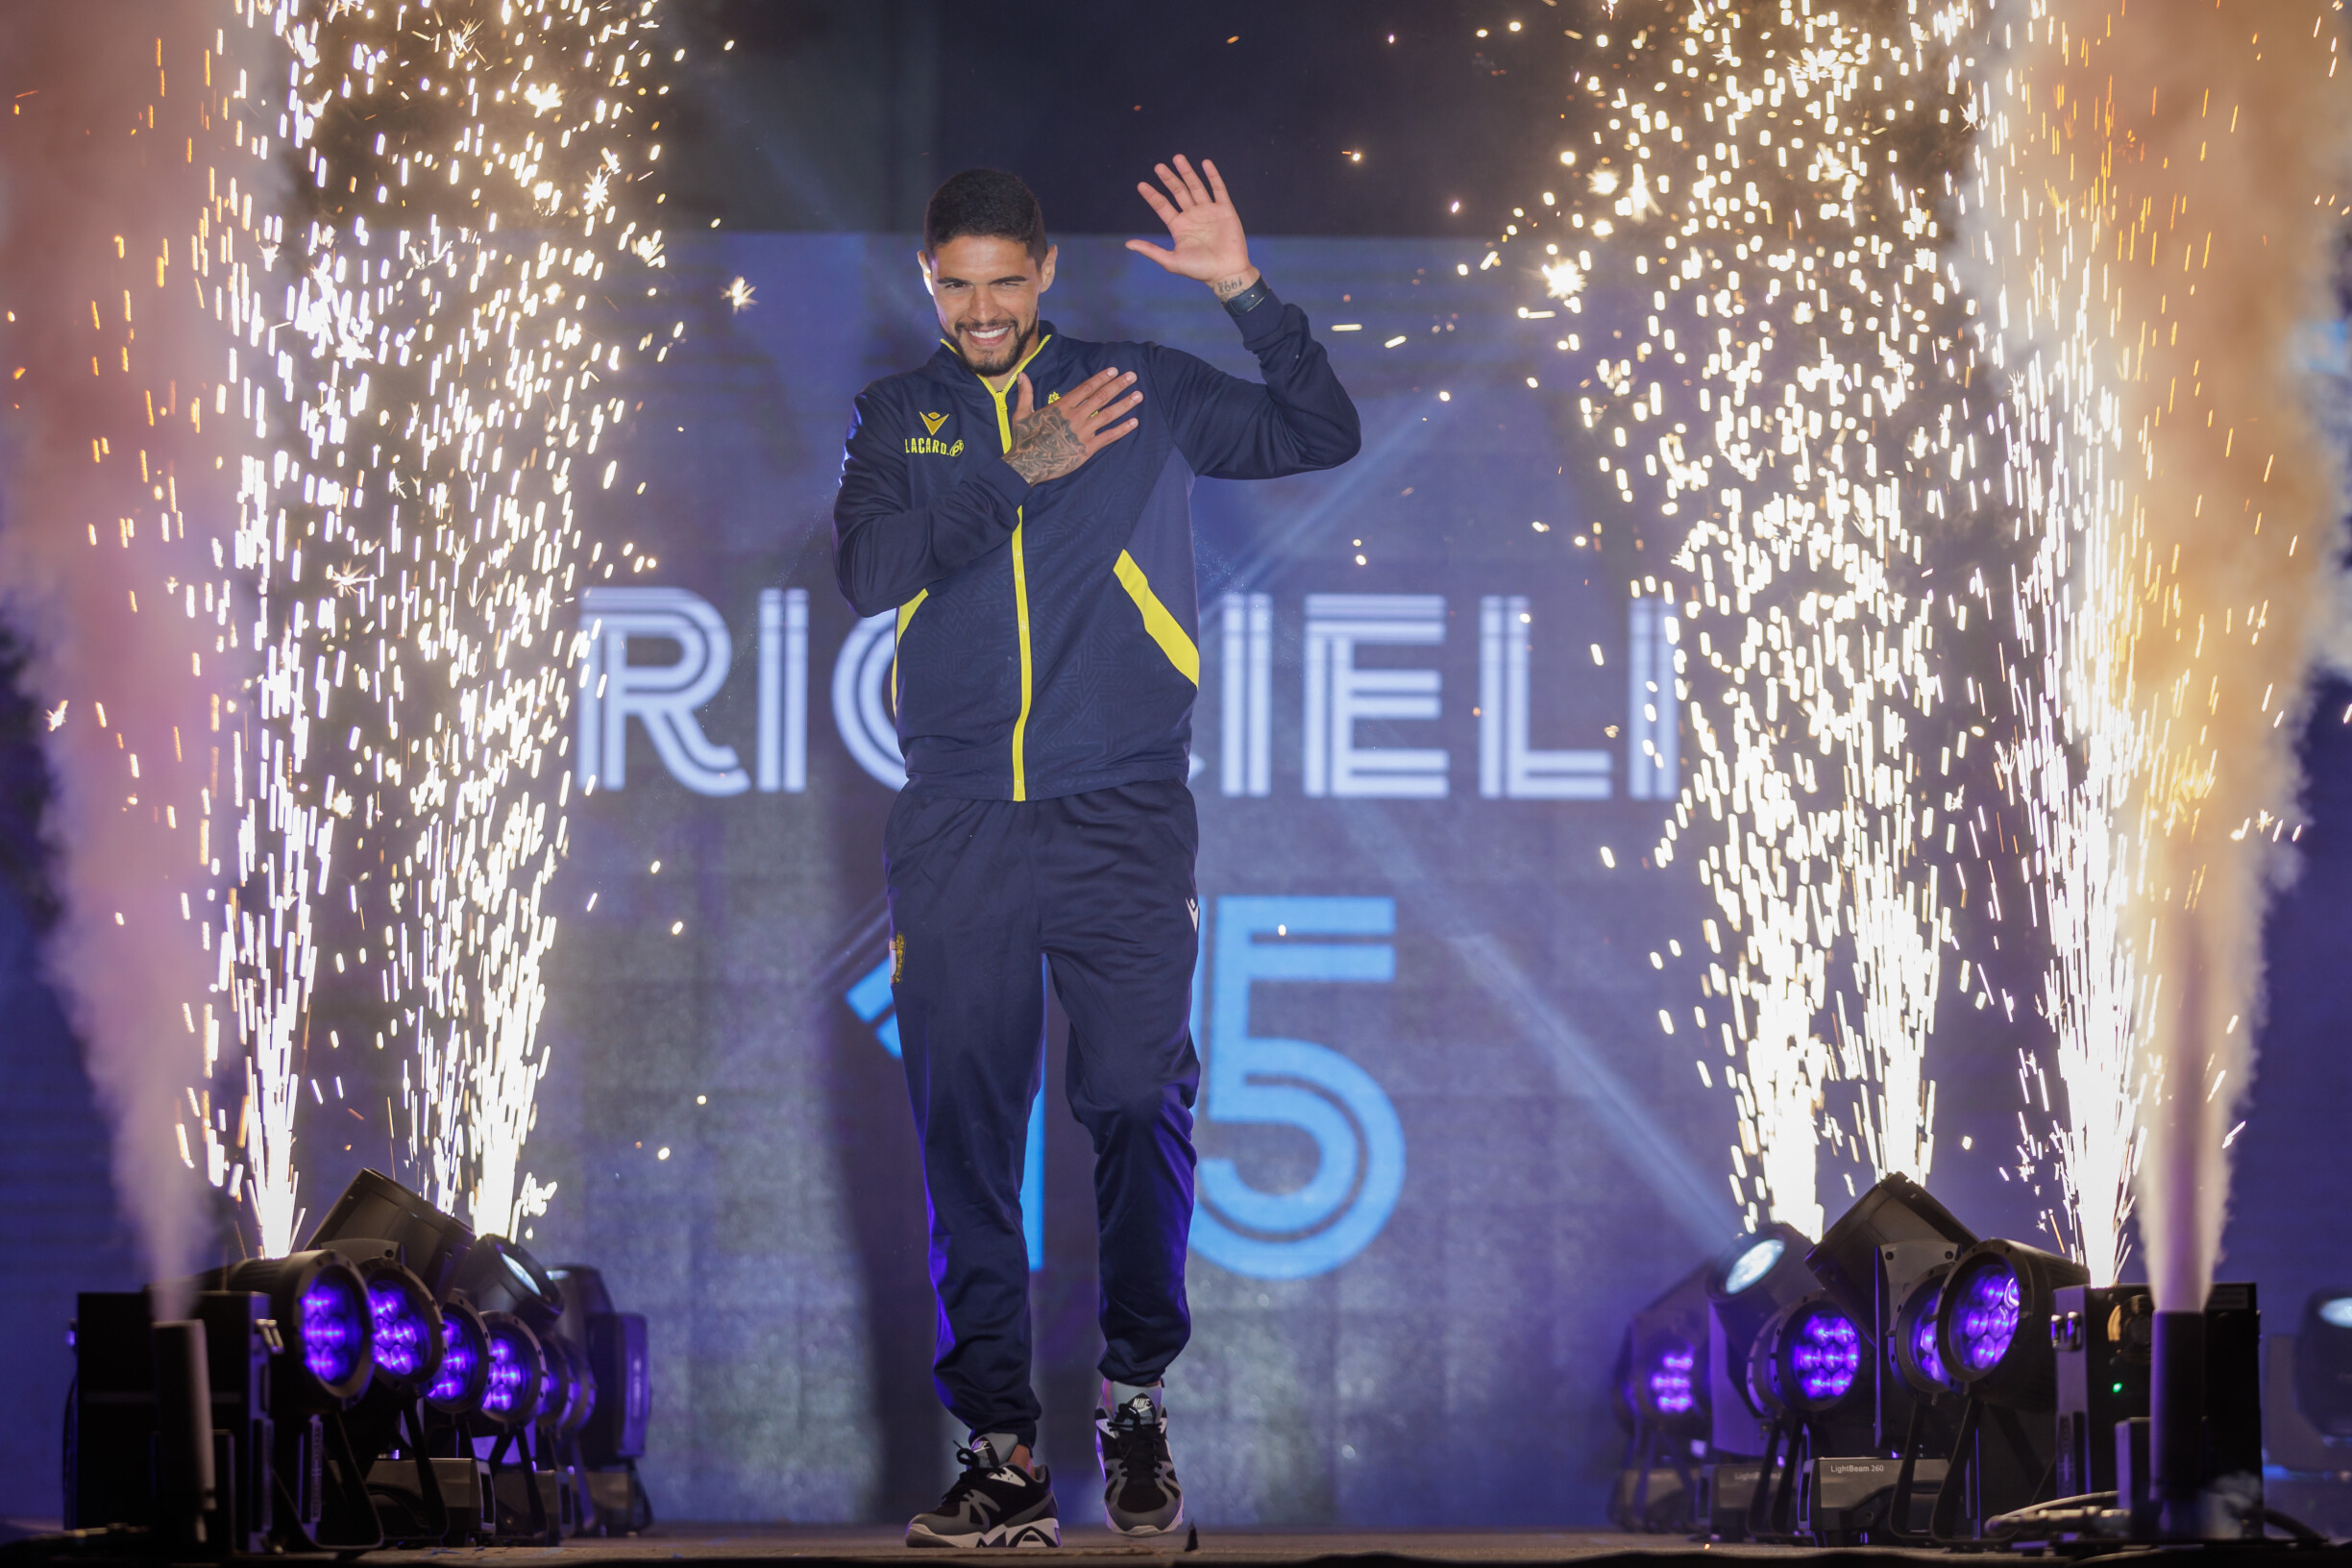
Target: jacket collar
<point>1042,359</point>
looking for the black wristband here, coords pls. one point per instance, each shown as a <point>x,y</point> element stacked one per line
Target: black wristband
<point>1249,299</point>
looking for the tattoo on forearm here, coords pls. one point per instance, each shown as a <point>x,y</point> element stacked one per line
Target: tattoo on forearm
<point>1045,447</point>
<point>1225,288</point>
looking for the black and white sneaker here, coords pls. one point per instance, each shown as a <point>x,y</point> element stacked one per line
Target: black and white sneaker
<point>994,1503</point>
<point>1140,1496</point>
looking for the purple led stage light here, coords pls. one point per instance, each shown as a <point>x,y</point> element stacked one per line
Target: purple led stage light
<point>1923,1352</point>
<point>1826,1354</point>
<point>461,1359</point>
<point>1672,1388</point>
<point>402,1332</point>
<point>334,1328</point>
<point>1986,1316</point>
<point>555,1380</point>
<point>509,1378</point>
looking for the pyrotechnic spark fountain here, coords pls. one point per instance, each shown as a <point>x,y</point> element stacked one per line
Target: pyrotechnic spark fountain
<point>2151,219</point>
<point>400,393</point>
<point>2159,648</point>
<point>452,371</point>
<point>1795,394</point>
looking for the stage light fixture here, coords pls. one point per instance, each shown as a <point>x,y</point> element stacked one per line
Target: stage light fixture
<point>375,1208</point>
<point>1747,1283</point>
<point>1664,1406</point>
<point>1670,1388</point>
<point>1751,1262</point>
<point>516,1368</point>
<point>1821,1356</point>
<point>1993,1323</point>
<point>501,1276</point>
<point>610,1348</point>
<point>1893,1233</point>
<point>463,1376</point>
<point>559,1384</point>
<point>321,1304</point>
<point>1916,1334</point>
<point>1761,1376</point>
<point>2323,1362</point>
<point>408,1335</point>
<point>584,1391</point>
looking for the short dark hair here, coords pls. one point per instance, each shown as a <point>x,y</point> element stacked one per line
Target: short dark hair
<point>988,202</point>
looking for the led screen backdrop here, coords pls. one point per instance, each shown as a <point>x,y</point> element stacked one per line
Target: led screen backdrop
<point>1435,738</point>
<point>1449,1141</point>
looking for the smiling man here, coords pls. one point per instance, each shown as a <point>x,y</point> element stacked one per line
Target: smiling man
<point>1021,504</point>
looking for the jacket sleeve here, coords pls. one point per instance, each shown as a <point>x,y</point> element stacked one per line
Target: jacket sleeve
<point>886,550</point>
<point>1300,420</point>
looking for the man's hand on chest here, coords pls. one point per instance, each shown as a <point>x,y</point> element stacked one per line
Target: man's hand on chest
<point>1051,442</point>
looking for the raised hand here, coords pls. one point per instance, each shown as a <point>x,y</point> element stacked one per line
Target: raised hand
<point>1054,440</point>
<point>1201,221</point>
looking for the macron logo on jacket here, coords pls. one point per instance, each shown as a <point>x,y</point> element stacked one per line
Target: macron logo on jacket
<point>1048,635</point>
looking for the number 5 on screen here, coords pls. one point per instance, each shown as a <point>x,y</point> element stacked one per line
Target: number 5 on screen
<point>1360,1145</point>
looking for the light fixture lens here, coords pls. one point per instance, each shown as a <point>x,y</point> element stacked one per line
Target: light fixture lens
<point>1923,1349</point>
<point>334,1329</point>
<point>1986,1316</point>
<point>1826,1355</point>
<point>1671,1388</point>
<point>1753,1264</point>
<point>508,1377</point>
<point>551,1386</point>
<point>2337,1313</point>
<point>459,1357</point>
<point>401,1330</point>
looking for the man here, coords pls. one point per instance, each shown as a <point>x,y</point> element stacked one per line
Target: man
<point>1022,503</point>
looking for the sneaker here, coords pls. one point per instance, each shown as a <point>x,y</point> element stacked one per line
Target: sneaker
<point>994,1503</point>
<point>1140,1496</point>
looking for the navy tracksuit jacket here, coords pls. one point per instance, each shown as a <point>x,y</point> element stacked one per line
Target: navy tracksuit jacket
<point>1048,657</point>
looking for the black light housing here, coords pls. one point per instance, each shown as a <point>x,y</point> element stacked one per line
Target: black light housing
<point>1993,1323</point>
<point>321,1306</point>
<point>584,1392</point>
<point>1893,1233</point>
<point>375,1207</point>
<point>562,1393</point>
<point>498,1276</point>
<point>1760,1372</point>
<point>1667,1375</point>
<point>612,1349</point>
<point>1747,1283</point>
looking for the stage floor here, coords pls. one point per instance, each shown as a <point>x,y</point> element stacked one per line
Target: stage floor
<point>722,1545</point>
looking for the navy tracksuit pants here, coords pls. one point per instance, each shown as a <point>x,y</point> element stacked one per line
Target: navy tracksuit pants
<point>1100,884</point>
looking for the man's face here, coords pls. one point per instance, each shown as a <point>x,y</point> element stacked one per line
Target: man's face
<point>986,291</point>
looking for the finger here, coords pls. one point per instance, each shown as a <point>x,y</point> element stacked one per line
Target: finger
<point>1095,418</point>
<point>1125,407</point>
<point>1099,389</point>
<point>1176,188</point>
<point>1113,434</point>
<point>1146,248</point>
<point>1159,204</point>
<point>1192,182</point>
<point>1087,393</point>
<point>1216,182</point>
<point>1022,404</point>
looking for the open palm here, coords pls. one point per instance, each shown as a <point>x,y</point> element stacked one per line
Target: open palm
<point>1204,229</point>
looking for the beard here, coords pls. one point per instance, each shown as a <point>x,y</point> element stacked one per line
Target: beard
<point>1015,344</point>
